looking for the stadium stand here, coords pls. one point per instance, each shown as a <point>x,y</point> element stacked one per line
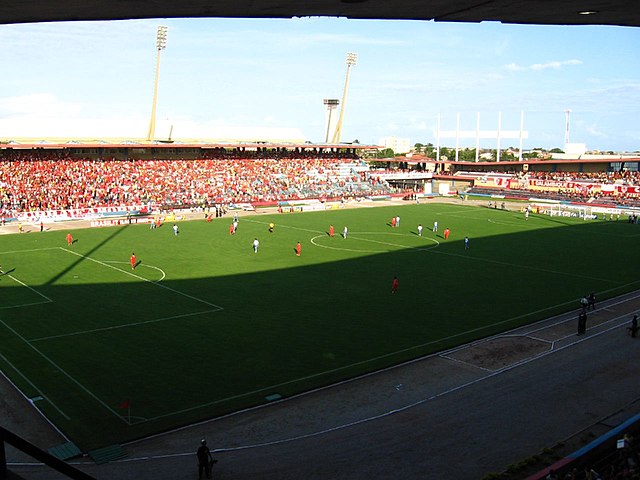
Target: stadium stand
<point>596,188</point>
<point>48,181</point>
<point>612,456</point>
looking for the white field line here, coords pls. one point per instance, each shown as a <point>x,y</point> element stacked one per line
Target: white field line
<point>5,359</point>
<point>356,237</point>
<point>284,226</point>
<point>127,325</point>
<point>453,212</point>
<point>24,305</point>
<point>64,372</point>
<point>504,223</point>
<point>525,267</point>
<point>162,277</point>
<point>217,307</point>
<point>48,300</point>
<point>8,252</point>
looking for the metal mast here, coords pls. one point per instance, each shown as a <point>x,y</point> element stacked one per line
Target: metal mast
<point>351,60</point>
<point>161,44</point>
<point>567,113</point>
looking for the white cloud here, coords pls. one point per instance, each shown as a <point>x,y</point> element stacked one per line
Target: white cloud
<point>40,104</point>
<point>45,116</point>
<point>594,130</point>
<point>514,67</point>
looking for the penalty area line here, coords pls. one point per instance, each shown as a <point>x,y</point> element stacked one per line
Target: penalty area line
<point>63,371</point>
<point>525,267</point>
<point>48,300</point>
<point>6,360</point>
<point>116,327</point>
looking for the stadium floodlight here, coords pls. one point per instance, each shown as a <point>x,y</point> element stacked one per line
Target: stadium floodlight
<point>331,104</point>
<point>351,61</point>
<point>567,124</point>
<point>161,44</point>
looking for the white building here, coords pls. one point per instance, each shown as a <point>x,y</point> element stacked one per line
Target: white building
<point>398,145</point>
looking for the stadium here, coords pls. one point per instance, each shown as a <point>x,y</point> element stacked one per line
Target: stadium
<point>298,310</point>
<point>202,326</point>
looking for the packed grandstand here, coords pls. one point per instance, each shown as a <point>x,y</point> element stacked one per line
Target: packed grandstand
<point>29,184</point>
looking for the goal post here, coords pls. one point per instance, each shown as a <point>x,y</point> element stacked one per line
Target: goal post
<point>564,210</point>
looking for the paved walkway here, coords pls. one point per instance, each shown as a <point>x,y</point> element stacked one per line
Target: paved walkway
<point>458,415</point>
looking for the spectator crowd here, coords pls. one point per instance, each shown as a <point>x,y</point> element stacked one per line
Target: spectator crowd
<point>602,188</point>
<point>38,182</point>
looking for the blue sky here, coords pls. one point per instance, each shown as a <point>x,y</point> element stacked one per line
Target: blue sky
<point>268,78</point>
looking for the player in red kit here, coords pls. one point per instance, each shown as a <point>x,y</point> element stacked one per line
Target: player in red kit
<point>446,233</point>
<point>133,261</point>
<point>332,231</point>
<point>69,239</point>
<point>232,229</point>
<point>394,285</point>
<point>298,249</point>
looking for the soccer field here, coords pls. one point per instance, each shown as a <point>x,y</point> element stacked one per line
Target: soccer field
<point>204,326</point>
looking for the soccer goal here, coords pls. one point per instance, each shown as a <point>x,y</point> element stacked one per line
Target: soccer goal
<point>576,211</point>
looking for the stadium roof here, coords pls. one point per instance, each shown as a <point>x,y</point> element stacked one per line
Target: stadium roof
<point>545,12</point>
<point>56,145</point>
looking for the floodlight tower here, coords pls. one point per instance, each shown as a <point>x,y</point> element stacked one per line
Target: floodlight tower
<point>567,113</point>
<point>351,60</point>
<point>161,44</point>
<point>331,104</point>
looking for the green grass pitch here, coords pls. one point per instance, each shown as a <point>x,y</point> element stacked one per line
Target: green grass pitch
<point>204,326</point>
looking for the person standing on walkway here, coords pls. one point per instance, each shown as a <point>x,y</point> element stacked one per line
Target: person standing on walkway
<point>205,460</point>
<point>584,303</point>
<point>591,301</point>
<point>582,322</point>
<point>633,329</point>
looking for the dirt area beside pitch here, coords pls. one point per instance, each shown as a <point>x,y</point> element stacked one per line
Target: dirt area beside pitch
<point>501,352</point>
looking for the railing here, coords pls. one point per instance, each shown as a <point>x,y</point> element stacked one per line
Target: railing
<point>30,449</point>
